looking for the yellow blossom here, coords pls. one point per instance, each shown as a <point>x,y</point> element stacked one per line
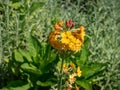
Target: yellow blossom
<point>60,23</point>
<point>58,26</point>
<point>80,33</point>
<point>65,68</point>
<point>75,45</point>
<point>66,39</point>
<point>53,40</point>
<point>72,65</point>
<point>72,78</point>
<point>78,72</point>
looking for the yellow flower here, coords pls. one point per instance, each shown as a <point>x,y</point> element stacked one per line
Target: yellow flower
<point>72,78</point>
<point>58,26</point>
<point>72,65</point>
<point>60,23</point>
<point>68,39</point>
<point>65,37</point>
<point>78,72</point>
<point>80,33</point>
<point>65,68</point>
<point>75,45</point>
<point>53,40</point>
<point>82,28</point>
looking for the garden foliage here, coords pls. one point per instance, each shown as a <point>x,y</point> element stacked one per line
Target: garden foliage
<point>34,66</point>
<point>24,29</point>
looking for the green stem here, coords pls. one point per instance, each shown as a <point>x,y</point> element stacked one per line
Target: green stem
<point>60,76</point>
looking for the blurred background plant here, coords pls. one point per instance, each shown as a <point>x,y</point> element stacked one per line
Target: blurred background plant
<point>100,17</point>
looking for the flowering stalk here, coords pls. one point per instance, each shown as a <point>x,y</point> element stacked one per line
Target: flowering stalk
<point>64,39</point>
<point>63,55</point>
<point>60,76</point>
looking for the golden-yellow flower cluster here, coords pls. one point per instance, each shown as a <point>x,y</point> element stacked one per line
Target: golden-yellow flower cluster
<point>72,73</point>
<point>63,38</point>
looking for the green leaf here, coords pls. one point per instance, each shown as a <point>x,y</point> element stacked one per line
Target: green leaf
<point>44,84</point>
<point>31,46</point>
<point>31,69</point>
<point>49,55</point>
<point>18,56</point>
<point>34,46</point>
<point>85,84</point>
<point>90,70</point>
<point>13,69</point>
<point>17,85</point>
<point>26,55</point>
<point>47,52</point>
<point>83,57</point>
<point>6,59</point>
<point>43,48</point>
<point>35,6</point>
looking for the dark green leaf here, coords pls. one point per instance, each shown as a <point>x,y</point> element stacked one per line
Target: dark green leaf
<point>44,84</point>
<point>83,57</point>
<point>30,69</point>
<point>17,85</point>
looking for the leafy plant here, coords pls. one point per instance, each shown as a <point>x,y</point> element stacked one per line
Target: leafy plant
<point>34,65</point>
<point>100,17</point>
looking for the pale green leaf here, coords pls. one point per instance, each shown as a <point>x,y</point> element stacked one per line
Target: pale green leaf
<point>18,56</point>
<point>90,70</point>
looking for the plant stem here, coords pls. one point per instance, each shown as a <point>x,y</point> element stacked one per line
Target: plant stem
<point>1,46</point>
<point>60,76</point>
